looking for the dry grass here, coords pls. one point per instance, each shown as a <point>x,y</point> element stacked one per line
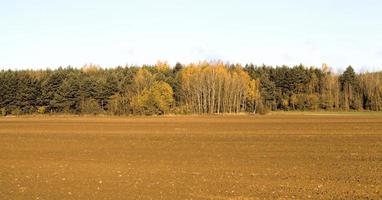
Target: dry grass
<point>192,157</point>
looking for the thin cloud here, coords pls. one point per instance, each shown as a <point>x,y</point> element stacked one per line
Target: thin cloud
<point>206,54</point>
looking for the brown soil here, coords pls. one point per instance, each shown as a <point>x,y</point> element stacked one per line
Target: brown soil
<point>192,157</point>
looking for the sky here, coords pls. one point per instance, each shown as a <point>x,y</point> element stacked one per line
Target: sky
<point>39,34</point>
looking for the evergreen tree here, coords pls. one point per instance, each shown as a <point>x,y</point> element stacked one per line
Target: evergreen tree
<point>205,87</point>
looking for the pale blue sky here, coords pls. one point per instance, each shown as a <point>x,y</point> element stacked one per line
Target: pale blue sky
<point>51,33</point>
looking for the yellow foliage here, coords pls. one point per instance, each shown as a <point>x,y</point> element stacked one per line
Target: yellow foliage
<point>90,68</point>
<point>162,67</point>
<point>142,80</point>
<point>213,87</point>
<point>156,99</point>
<point>285,102</point>
<point>254,90</point>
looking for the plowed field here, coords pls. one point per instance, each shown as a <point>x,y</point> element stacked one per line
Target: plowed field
<point>192,157</point>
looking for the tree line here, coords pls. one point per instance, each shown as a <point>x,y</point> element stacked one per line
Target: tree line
<point>197,88</point>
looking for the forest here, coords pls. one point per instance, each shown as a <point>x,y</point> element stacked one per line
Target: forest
<point>196,88</point>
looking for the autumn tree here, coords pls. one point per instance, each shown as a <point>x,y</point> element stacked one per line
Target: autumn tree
<point>253,96</point>
<point>119,104</point>
<point>195,88</point>
<point>155,100</point>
